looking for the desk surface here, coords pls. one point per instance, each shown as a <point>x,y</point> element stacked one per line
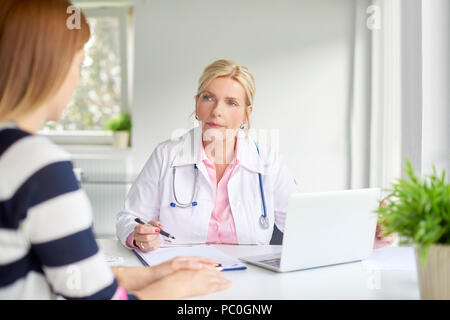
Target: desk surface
<point>345,281</point>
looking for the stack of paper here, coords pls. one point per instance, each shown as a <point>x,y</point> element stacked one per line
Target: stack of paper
<point>392,258</point>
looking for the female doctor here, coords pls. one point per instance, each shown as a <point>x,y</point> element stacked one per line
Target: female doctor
<point>215,184</point>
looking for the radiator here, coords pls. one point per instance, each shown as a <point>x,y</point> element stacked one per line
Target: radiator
<point>106,181</point>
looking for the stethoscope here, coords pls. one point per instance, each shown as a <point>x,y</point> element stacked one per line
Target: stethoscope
<point>263,220</point>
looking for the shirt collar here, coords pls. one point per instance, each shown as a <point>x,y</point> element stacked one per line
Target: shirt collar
<point>192,152</point>
<point>8,125</point>
<point>234,161</point>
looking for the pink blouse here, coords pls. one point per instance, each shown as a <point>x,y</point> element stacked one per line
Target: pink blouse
<point>221,226</point>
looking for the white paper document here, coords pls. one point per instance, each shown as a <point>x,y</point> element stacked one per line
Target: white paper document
<point>392,258</point>
<point>164,254</point>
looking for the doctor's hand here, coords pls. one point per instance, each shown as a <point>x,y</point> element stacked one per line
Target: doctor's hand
<point>147,237</point>
<point>381,241</point>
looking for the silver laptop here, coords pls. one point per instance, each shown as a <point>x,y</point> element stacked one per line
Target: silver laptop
<point>325,228</point>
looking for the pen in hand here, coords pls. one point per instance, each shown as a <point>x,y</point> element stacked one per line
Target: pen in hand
<point>162,232</point>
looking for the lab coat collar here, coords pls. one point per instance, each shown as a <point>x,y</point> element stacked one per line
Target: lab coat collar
<point>189,152</point>
<point>191,148</point>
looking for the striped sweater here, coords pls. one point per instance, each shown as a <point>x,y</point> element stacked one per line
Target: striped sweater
<point>47,245</point>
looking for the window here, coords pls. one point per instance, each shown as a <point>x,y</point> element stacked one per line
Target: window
<point>103,89</point>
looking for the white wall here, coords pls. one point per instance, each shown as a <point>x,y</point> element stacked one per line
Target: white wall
<point>299,52</point>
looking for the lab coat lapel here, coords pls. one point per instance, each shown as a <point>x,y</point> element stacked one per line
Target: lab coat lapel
<point>189,153</point>
<point>248,154</point>
<point>249,159</point>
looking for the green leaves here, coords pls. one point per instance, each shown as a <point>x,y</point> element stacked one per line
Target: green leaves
<point>120,123</point>
<point>418,210</point>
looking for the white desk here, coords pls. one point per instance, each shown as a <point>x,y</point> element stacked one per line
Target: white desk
<point>345,281</point>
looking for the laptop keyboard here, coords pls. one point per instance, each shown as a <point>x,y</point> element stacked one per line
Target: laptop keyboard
<point>272,262</point>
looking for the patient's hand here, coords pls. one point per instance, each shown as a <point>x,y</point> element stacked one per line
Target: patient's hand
<point>186,283</point>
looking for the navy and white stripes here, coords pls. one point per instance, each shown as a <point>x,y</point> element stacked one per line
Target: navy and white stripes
<point>47,246</point>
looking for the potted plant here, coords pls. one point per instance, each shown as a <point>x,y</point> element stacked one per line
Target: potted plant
<point>419,211</point>
<point>121,127</point>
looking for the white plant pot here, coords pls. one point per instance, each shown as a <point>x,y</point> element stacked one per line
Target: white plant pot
<point>121,139</point>
<point>434,279</point>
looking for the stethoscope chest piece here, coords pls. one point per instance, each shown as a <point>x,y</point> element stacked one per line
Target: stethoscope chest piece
<point>264,222</point>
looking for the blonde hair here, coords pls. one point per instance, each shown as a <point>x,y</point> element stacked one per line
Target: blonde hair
<point>37,49</point>
<point>229,68</point>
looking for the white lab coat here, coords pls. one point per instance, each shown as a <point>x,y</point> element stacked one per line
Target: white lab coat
<point>151,194</point>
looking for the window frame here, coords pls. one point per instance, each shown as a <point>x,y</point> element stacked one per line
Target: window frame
<point>123,11</point>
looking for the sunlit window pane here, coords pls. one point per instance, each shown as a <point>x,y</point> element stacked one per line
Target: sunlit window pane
<point>97,97</point>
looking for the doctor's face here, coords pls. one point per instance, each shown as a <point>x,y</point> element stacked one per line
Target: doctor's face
<point>221,107</point>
